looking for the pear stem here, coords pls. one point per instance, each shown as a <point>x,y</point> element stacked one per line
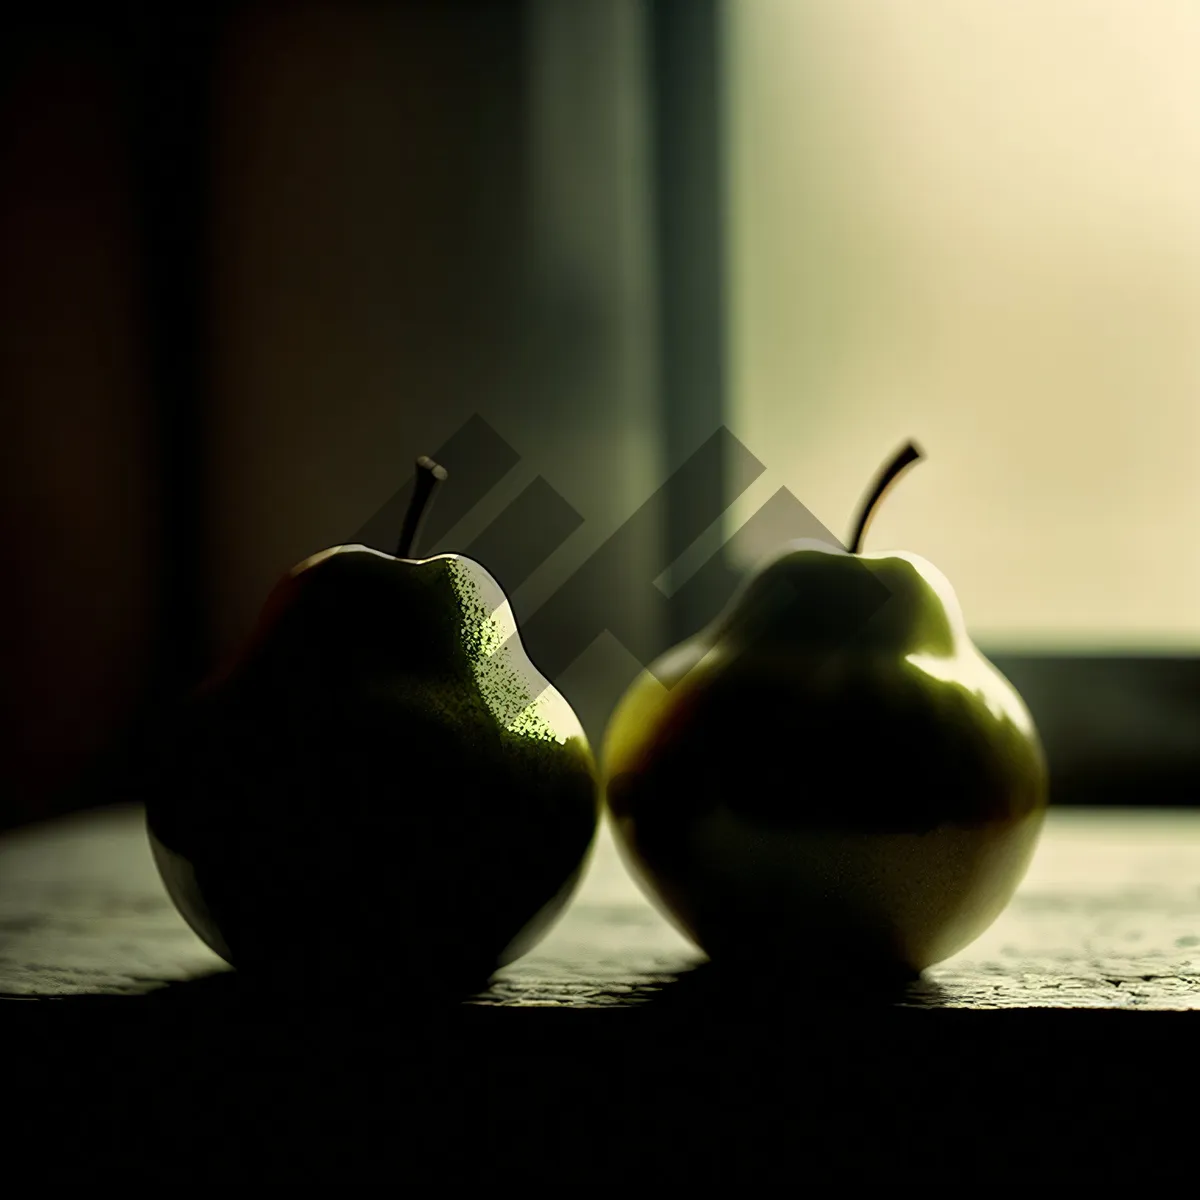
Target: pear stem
<point>429,475</point>
<point>901,461</point>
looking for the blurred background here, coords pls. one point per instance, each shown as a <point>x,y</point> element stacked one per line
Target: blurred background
<point>254,261</point>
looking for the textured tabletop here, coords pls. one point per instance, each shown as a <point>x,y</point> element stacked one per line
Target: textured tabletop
<point>1108,917</point>
<point>601,1061</point>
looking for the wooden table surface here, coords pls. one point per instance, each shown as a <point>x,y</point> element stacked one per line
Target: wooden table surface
<point>1108,917</point>
<point>609,1044</point>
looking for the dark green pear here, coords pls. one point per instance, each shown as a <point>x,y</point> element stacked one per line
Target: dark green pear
<point>381,784</point>
<point>831,774</point>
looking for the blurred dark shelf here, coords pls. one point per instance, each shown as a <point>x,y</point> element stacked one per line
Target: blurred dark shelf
<point>1119,729</point>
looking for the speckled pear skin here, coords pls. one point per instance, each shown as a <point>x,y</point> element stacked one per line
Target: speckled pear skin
<point>831,774</point>
<point>381,781</point>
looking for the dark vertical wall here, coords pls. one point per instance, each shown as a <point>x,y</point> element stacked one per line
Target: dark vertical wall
<point>686,120</point>
<point>167,58</point>
<point>256,260</point>
<point>422,213</point>
<point>367,188</point>
<point>78,484</point>
<point>586,406</point>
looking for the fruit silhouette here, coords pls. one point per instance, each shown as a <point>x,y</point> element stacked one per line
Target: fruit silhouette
<point>380,781</point>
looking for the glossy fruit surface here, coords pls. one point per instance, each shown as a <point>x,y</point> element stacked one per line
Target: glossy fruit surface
<point>831,773</point>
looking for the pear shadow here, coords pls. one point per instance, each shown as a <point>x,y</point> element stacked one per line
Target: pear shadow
<point>764,993</point>
<point>308,995</point>
<point>229,994</point>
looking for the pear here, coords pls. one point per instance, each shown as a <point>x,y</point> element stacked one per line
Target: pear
<point>830,775</point>
<point>380,782</point>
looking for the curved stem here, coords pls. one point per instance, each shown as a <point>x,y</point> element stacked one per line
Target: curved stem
<point>429,475</point>
<point>901,461</point>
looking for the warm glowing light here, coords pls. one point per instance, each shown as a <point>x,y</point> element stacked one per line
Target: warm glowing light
<point>978,223</point>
